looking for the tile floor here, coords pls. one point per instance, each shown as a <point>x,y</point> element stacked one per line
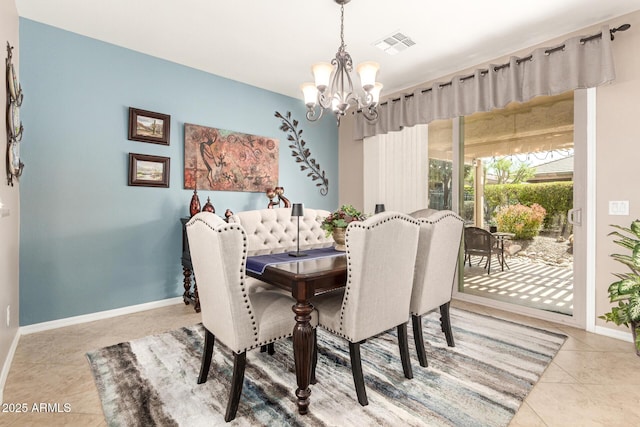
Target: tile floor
<point>593,380</point>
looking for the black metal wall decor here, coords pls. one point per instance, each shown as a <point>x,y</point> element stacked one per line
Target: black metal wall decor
<point>14,125</point>
<point>301,153</point>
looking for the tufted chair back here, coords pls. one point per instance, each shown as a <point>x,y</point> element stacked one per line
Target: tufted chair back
<point>275,228</point>
<point>381,253</point>
<point>437,260</point>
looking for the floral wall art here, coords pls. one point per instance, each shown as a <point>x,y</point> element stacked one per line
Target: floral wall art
<point>224,160</point>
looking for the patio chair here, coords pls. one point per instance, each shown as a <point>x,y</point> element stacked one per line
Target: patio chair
<point>479,242</point>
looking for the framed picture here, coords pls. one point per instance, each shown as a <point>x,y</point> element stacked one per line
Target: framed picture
<point>224,160</point>
<point>147,126</point>
<point>148,171</point>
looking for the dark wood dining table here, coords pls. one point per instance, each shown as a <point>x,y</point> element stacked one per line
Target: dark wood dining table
<point>304,278</point>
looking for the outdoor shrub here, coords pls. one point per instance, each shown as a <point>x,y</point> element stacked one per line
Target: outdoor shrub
<point>555,197</point>
<point>521,220</point>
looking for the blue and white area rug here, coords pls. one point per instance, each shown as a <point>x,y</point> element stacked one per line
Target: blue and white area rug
<point>480,382</point>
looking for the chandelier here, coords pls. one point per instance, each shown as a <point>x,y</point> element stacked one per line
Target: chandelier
<point>333,87</point>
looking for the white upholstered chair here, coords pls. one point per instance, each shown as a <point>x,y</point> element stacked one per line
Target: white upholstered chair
<point>435,272</point>
<point>423,213</point>
<point>242,320</point>
<point>381,253</point>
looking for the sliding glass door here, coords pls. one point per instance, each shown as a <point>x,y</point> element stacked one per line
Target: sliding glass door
<point>513,164</point>
<point>516,173</point>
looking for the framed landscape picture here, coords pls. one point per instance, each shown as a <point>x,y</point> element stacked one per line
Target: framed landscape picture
<point>147,126</point>
<point>148,171</point>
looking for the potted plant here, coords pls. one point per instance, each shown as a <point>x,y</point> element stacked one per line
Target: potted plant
<point>626,290</point>
<point>335,224</point>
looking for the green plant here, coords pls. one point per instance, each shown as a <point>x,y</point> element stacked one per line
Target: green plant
<point>626,291</point>
<point>521,220</point>
<point>341,218</point>
<point>555,197</point>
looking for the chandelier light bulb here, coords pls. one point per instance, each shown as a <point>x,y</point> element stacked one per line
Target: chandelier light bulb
<point>339,105</point>
<point>367,72</point>
<point>322,75</point>
<point>375,92</point>
<point>310,94</point>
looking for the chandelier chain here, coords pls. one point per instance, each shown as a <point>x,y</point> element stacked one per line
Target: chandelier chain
<point>342,46</point>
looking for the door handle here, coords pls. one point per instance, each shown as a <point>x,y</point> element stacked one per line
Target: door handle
<point>574,216</point>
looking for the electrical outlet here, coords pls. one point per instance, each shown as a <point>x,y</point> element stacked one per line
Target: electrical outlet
<point>8,316</point>
<point>619,207</point>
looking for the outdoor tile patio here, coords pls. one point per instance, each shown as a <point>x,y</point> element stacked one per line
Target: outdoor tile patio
<point>523,282</point>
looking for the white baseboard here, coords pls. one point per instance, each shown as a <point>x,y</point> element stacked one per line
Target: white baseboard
<point>7,364</point>
<point>614,333</point>
<point>45,326</point>
<point>100,315</point>
<point>54,324</point>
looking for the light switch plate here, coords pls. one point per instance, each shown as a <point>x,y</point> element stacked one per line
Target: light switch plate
<point>619,207</point>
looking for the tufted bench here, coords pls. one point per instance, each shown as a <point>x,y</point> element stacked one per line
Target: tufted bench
<point>266,229</point>
<point>275,228</point>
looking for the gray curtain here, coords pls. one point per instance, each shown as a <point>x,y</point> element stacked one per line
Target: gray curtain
<point>575,64</point>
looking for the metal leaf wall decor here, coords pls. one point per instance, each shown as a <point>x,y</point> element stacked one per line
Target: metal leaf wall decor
<point>301,153</point>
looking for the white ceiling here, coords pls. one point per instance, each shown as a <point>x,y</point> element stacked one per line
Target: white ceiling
<point>271,44</point>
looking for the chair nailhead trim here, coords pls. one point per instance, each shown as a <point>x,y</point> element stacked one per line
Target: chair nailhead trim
<point>260,344</point>
<point>243,289</point>
<point>349,266</point>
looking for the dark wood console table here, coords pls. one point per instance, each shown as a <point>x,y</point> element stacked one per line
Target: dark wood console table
<point>189,296</point>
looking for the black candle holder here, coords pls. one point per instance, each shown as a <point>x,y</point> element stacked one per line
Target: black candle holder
<point>297,210</point>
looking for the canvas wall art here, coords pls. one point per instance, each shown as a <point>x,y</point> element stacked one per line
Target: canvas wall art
<point>224,160</point>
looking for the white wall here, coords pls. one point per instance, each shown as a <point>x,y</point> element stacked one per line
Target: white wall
<point>617,155</point>
<point>10,196</point>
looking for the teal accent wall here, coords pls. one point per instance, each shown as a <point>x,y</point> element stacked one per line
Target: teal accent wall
<point>89,242</point>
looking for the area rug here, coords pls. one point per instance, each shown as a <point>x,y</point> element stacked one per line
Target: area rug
<point>482,381</point>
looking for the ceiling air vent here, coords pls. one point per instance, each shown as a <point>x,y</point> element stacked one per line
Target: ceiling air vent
<point>394,43</point>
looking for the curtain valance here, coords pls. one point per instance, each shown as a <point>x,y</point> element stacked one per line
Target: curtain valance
<point>580,62</point>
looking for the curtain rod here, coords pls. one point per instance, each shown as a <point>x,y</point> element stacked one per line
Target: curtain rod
<point>623,27</point>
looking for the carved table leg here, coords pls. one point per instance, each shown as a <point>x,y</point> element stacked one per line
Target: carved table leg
<point>196,298</point>
<point>303,352</point>
<point>187,285</point>
<point>188,296</point>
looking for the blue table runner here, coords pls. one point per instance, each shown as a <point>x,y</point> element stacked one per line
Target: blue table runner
<point>258,263</point>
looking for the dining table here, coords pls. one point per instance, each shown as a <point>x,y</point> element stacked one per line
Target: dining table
<point>323,270</point>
